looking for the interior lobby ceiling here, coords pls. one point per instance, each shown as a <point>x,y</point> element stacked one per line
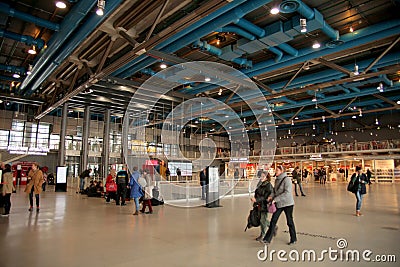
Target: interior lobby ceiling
<point>85,59</point>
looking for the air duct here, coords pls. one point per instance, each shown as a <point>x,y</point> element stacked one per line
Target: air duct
<point>29,40</point>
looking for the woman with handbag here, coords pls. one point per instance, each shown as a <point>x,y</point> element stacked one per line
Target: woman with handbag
<point>284,202</point>
<point>360,180</point>
<point>111,186</point>
<point>263,191</point>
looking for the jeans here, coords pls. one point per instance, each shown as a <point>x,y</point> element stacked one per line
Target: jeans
<point>264,223</point>
<point>7,203</point>
<point>359,198</point>
<point>289,220</point>
<point>82,184</point>
<point>31,198</point>
<point>136,199</point>
<point>203,189</point>
<point>301,188</point>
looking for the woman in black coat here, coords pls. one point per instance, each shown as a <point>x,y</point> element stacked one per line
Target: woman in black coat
<point>360,180</point>
<point>263,191</point>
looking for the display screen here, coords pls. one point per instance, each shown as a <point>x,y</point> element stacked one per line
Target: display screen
<point>185,167</point>
<point>213,177</point>
<point>61,175</point>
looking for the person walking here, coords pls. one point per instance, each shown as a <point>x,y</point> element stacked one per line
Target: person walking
<point>82,177</point>
<point>7,189</point>
<point>297,181</point>
<point>111,186</point>
<point>122,183</point>
<point>283,197</point>
<point>203,183</point>
<point>136,191</point>
<point>146,193</point>
<point>360,180</point>
<point>34,186</point>
<point>263,191</point>
<point>369,175</point>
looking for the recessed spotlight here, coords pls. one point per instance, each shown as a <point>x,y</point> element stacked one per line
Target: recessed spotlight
<point>316,45</point>
<point>207,79</point>
<point>61,4</point>
<point>274,11</point>
<point>16,76</point>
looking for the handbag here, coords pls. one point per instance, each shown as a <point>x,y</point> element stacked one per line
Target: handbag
<point>111,187</point>
<point>351,187</point>
<point>271,207</point>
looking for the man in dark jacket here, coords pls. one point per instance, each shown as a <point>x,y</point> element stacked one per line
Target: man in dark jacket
<point>203,183</point>
<point>82,176</point>
<point>297,181</point>
<point>263,191</point>
<point>122,180</point>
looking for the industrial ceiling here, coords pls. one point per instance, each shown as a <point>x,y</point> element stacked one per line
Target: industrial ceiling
<point>86,59</point>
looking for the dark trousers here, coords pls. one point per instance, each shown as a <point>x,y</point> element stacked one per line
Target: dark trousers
<point>301,188</point>
<point>111,195</point>
<point>147,202</point>
<point>121,193</point>
<point>31,197</point>
<point>289,219</point>
<point>7,203</point>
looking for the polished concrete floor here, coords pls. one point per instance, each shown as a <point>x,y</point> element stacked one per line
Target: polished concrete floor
<point>73,230</point>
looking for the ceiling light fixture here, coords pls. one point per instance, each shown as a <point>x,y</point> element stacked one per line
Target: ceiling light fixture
<point>343,124</point>
<point>398,102</point>
<point>380,87</point>
<point>16,76</point>
<point>351,29</point>
<point>29,71</point>
<point>303,25</point>
<point>32,50</point>
<point>274,11</point>
<point>163,65</point>
<point>323,118</point>
<point>292,122</point>
<point>220,91</point>
<point>207,79</point>
<point>316,45</point>
<point>376,121</point>
<point>61,4</point>
<point>360,115</point>
<point>100,7</point>
<point>354,117</point>
<point>313,126</point>
<point>356,72</point>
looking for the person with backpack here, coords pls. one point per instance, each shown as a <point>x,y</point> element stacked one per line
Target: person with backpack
<point>122,183</point>
<point>283,197</point>
<point>296,174</point>
<point>360,180</point>
<point>7,188</point>
<point>263,191</point>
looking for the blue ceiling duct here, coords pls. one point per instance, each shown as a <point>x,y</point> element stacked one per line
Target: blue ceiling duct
<point>238,31</point>
<point>315,19</point>
<point>83,31</point>
<point>145,61</point>
<point>9,78</point>
<point>68,26</point>
<point>212,25</point>
<point>4,8</point>
<point>29,40</point>
<point>369,34</point>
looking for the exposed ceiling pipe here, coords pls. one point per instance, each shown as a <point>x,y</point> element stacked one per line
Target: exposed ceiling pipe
<point>29,40</point>
<point>4,8</point>
<point>10,78</point>
<point>238,31</point>
<point>70,23</point>
<point>186,39</point>
<point>83,31</point>
<point>369,34</point>
<point>291,6</point>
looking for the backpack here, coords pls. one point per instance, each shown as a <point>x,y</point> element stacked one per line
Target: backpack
<point>352,187</point>
<point>253,220</point>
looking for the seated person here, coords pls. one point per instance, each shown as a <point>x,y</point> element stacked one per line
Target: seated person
<point>100,189</point>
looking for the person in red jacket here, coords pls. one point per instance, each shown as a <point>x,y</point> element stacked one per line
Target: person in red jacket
<point>111,186</point>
